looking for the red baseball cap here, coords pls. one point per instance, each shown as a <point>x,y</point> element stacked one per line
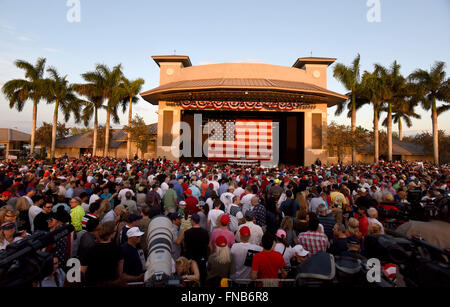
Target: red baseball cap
<point>221,241</point>
<point>245,232</point>
<point>211,185</point>
<point>225,219</point>
<point>7,193</point>
<point>188,191</point>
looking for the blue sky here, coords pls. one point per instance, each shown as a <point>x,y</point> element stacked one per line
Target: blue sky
<point>414,32</point>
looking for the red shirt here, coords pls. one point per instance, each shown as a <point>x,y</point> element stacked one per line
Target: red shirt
<point>363,225</point>
<point>191,203</point>
<point>268,264</point>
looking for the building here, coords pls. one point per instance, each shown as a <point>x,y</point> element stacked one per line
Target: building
<point>78,145</point>
<point>12,143</point>
<point>261,102</point>
<point>401,151</point>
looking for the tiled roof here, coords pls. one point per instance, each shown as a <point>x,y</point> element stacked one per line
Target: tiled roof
<point>9,135</point>
<point>399,148</point>
<point>118,137</point>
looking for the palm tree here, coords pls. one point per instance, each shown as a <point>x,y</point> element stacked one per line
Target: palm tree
<point>132,88</point>
<point>373,90</point>
<point>432,86</point>
<point>350,77</point>
<point>395,90</point>
<point>402,111</point>
<point>18,91</point>
<point>59,91</point>
<point>108,84</point>
<point>93,104</point>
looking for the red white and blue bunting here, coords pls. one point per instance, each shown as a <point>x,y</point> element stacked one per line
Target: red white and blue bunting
<point>244,105</point>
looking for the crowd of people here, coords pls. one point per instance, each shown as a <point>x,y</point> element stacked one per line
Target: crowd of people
<point>244,223</point>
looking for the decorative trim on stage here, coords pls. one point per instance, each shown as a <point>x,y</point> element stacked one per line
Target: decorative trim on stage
<point>246,106</point>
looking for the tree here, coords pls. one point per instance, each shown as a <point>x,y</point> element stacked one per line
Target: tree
<point>425,139</point>
<point>93,93</point>
<point>59,91</point>
<point>395,90</point>
<point>18,91</point>
<point>77,131</point>
<point>101,136</point>
<point>132,88</point>
<point>373,91</point>
<point>350,77</point>
<point>108,84</point>
<point>44,133</point>
<point>139,133</point>
<point>432,87</point>
<point>402,111</point>
<point>341,137</point>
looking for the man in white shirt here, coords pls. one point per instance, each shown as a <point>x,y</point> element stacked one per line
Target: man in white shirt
<point>239,252</point>
<point>124,191</point>
<point>216,184</point>
<point>373,218</point>
<point>227,199</point>
<point>255,230</point>
<point>213,215</point>
<point>239,190</point>
<point>246,200</point>
<point>32,213</point>
<point>165,186</point>
<point>315,202</point>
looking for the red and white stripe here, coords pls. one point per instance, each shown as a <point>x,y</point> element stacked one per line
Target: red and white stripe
<point>253,141</point>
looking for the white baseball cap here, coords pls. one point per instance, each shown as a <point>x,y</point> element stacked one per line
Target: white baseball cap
<point>134,232</point>
<point>300,251</point>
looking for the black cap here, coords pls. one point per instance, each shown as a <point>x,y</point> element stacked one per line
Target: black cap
<point>60,215</point>
<point>249,214</point>
<point>175,216</point>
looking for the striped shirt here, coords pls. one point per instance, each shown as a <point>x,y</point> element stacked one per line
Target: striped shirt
<point>314,241</point>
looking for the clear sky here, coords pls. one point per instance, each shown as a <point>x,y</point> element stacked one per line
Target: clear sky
<point>413,32</point>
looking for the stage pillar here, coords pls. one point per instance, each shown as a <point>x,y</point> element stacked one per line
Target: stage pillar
<point>167,118</point>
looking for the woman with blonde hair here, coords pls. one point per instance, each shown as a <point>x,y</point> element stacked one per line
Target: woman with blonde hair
<point>221,264</point>
<point>353,228</point>
<point>287,224</point>
<point>23,221</point>
<point>187,269</point>
<point>301,198</point>
<point>374,229</point>
<point>8,214</point>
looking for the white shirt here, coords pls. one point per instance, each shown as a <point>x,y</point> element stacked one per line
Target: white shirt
<point>246,203</point>
<point>375,221</point>
<point>216,186</point>
<point>164,188</point>
<point>32,212</point>
<point>288,253</point>
<point>93,199</point>
<point>210,203</point>
<point>85,207</point>
<point>314,203</point>
<point>89,178</point>
<point>212,217</point>
<point>239,252</point>
<point>238,192</point>
<point>123,192</point>
<point>256,233</point>
<point>227,199</point>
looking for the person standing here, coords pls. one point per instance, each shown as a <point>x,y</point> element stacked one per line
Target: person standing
<point>133,256</point>
<point>255,230</point>
<point>40,221</point>
<point>76,213</point>
<point>240,251</point>
<point>196,242</point>
<point>268,263</point>
<point>222,230</point>
<point>170,200</point>
<point>314,240</point>
<point>221,263</point>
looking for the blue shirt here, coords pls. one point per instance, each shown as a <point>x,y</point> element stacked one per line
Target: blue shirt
<point>223,188</point>
<point>178,189</point>
<point>195,191</point>
<point>106,197</point>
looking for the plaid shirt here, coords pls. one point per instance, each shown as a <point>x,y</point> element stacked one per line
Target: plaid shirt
<point>314,241</point>
<point>259,212</point>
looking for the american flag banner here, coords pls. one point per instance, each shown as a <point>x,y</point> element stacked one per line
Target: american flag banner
<point>240,140</point>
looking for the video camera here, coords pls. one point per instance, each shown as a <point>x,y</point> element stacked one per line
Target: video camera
<point>23,262</point>
<point>420,263</point>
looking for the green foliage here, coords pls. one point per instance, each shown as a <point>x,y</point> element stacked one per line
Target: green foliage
<point>425,139</point>
<point>77,131</point>
<point>140,133</point>
<point>341,137</point>
<point>44,133</point>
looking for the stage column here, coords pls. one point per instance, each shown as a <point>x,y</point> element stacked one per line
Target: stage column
<point>168,116</point>
<point>315,134</point>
